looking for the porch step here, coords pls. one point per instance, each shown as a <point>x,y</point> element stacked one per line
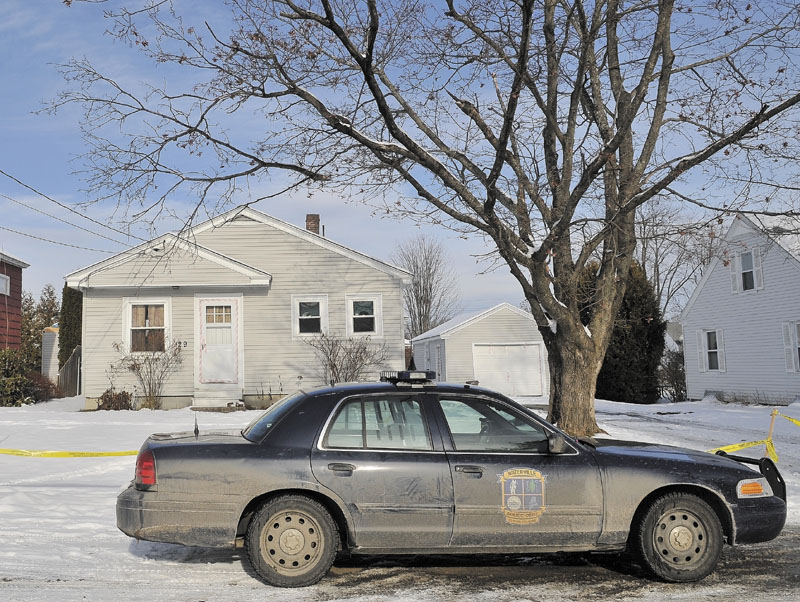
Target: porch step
<point>218,399</point>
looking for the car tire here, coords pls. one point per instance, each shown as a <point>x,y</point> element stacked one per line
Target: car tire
<point>679,538</point>
<point>292,541</point>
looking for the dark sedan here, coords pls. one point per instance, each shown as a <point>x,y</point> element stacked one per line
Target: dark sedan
<point>409,466</point>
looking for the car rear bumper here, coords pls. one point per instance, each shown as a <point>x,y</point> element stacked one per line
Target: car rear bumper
<point>759,519</point>
<point>173,518</point>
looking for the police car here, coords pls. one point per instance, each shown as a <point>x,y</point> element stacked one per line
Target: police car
<point>411,466</point>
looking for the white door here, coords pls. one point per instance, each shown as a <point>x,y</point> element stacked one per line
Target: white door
<point>219,340</point>
<point>514,369</point>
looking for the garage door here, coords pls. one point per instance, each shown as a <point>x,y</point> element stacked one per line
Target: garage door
<point>514,368</point>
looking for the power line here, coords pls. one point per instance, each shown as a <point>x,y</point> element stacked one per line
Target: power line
<point>68,208</point>
<point>55,242</point>
<point>55,217</point>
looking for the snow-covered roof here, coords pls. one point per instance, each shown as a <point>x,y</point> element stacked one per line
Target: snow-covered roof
<point>466,318</point>
<point>11,260</point>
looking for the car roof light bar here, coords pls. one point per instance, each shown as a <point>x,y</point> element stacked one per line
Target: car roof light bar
<point>407,376</point>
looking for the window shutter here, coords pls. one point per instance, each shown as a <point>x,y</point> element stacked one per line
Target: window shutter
<point>758,274</point>
<point>788,346</point>
<point>721,351</point>
<point>733,265</point>
<point>701,352</point>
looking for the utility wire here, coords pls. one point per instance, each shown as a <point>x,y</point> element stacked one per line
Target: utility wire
<point>55,242</point>
<point>68,208</point>
<point>55,217</point>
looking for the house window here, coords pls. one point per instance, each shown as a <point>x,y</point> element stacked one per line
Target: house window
<point>147,327</point>
<point>710,351</point>
<point>5,285</point>
<point>791,345</point>
<point>364,315</point>
<point>309,315</point>
<point>746,272</point>
<point>748,275</point>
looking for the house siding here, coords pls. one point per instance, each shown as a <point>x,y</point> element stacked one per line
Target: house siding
<point>11,308</point>
<point>750,322</point>
<point>275,360</point>
<point>503,326</point>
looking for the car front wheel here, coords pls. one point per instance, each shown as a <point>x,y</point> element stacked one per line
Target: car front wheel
<point>292,541</point>
<point>679,538</point>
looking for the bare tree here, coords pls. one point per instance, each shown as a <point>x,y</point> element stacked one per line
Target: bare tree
<point>344,360</point>
<point>151,369</point>
<point>673,247</point>
<point>432,298</point>
<point>541,125</point>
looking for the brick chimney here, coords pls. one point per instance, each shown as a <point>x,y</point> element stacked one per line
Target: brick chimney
<point>312,222</point>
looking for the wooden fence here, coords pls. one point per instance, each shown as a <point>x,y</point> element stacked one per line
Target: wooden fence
<point>69,377</point>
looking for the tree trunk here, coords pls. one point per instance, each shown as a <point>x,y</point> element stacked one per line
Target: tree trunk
<point>573,377</point>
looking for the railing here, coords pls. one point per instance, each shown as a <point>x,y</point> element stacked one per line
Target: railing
<point>69,377</point>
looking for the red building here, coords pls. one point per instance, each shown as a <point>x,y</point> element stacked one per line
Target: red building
<point>10,300</point>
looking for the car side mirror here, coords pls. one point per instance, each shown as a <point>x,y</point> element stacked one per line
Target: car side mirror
<point>556,444</point>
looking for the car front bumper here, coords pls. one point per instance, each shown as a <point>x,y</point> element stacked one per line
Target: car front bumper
<point>759,519</point>
<point>177,518</point>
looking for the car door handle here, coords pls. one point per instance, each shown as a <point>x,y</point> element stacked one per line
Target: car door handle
<point>470,469</point>
<point>341,467</point>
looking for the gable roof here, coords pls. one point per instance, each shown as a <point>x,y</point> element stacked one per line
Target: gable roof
<point>781,230</point>
<point>80,278</point>
<point>11,260</point>
<point>302,233</point>
<point>465,319</point>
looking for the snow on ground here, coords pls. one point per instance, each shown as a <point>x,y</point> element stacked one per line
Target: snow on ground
<point>58,539</point>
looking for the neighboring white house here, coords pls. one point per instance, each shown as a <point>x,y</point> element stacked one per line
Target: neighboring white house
<point>242,294</point>
<point>50,353</point>
<point>741,326</point>
<point>500,347</point>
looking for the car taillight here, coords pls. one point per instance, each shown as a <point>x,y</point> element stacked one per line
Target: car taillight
<point>145,468</point>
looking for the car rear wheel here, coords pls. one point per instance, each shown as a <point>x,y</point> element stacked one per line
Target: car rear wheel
<point>292,541</point>
<point>679,538</point>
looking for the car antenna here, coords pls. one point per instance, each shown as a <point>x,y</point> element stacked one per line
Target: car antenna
<point>196,430</point>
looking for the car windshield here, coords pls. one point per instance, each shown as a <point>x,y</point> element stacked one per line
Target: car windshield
<point>258,429</point>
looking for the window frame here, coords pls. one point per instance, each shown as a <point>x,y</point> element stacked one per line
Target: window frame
<point>738,272</point>
<point>703,350</point>
<point>377,308</point>
<point>127,326</point>
<point>790,335</point>
<point>323,314</point>
<point>5,285</point>
<point>360,398</point>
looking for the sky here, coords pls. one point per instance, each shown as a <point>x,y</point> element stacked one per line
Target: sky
<point>43,151</point>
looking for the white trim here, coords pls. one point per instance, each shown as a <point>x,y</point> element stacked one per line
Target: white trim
<point>238,298</point>
<point>790,344</point>
<point>5,285</point>
<point>703,350</point>
<point>80,278</point>
<point>476,318</point>
<point>323,314</point>
<point>129,302</point>
<point>304,234</point>
<point>377,307</point>
<point>11,260</point>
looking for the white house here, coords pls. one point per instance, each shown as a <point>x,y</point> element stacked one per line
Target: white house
<point>741,326</point>
<point>242,294</point>
<point>500,347</point>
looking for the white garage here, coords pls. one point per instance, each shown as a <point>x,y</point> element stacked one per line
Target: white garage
<point>499,347</point>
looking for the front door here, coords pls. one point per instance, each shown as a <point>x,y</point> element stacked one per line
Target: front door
<point>509,490</point>
<point>380,458</point>
<point>219,340</point>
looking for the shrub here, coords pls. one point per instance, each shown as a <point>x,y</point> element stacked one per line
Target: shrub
<point>15,388</point>
<point>43,387</point>
<point>115,400</point>
<point>152,369</point>
<point>673,375</point>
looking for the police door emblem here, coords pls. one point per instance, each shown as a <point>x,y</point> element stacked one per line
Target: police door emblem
<point>523,495</point>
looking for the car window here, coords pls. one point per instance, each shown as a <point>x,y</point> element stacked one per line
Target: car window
<point>392,422</point>
<point>483,425</point>
<point>258,428</point>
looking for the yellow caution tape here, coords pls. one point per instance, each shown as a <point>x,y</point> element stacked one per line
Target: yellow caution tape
<point>790,419</point>
<point>737,446</point>
<point>41,453</point>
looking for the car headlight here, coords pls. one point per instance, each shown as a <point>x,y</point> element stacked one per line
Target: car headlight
<point>753,488</point>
